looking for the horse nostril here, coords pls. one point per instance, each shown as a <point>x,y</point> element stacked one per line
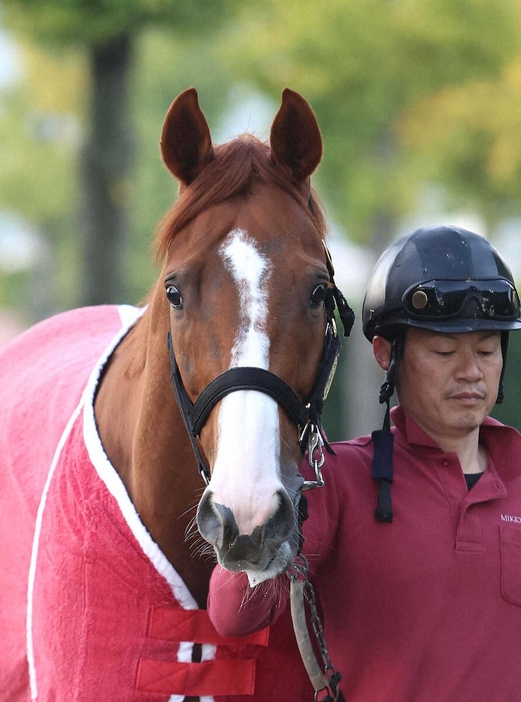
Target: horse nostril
<point>281,525</point>
<point>216,522</point>
<point>208,519</point>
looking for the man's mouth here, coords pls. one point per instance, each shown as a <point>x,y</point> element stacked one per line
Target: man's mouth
<point>470,397</point>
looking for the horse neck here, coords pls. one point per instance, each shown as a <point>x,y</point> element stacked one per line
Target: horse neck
<point>149,446</point>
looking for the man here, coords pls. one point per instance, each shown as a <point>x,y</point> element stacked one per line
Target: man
<point>420,598</point>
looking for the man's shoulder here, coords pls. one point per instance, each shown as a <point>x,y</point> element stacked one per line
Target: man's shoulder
<point>357,445</point>
<point>492,422</point>
<point>498,434</point>
<point>357,452</point>
<point>497,428</point>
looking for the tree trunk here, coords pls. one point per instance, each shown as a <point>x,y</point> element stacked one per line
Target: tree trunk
<point>105,165</point>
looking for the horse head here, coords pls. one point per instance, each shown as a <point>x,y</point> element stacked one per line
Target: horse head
<point>246,278</point>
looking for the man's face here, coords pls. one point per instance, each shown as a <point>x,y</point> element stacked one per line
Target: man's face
<point>448,383</point>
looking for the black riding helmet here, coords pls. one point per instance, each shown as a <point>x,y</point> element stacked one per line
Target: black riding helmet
<point>445,279</point>
<point>440,278</point>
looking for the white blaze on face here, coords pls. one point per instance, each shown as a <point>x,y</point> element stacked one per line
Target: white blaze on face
<point>246,471</point>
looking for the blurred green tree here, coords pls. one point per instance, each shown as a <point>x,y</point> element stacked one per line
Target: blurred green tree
<point>468,139</point>
<point>39,131</point>
<point>42,120</point>
<point>108,31</point>
<point>364,65</point>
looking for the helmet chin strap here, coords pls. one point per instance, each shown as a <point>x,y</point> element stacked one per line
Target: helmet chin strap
<point>504,349</point>
<point>387,389</point>
<point>383,439</point>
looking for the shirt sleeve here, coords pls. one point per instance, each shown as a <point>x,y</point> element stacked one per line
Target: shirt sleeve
<point>236,609</point>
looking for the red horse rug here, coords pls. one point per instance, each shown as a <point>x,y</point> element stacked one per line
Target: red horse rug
<point>90,608</point>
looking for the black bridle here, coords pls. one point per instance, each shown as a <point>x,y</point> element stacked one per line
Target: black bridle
<point>307,416</point>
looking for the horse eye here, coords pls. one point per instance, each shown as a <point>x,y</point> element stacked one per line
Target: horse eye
<point>174,297</point>
<point>318,295</point>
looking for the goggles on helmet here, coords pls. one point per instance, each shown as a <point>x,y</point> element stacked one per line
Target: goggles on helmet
<point>444,299</point>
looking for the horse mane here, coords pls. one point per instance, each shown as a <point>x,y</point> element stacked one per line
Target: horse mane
<point>235,166</point>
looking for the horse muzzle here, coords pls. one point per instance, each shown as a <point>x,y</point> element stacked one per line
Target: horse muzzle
<point>267,550</point>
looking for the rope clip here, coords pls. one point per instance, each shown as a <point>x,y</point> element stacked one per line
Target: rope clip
<point>316,456</point>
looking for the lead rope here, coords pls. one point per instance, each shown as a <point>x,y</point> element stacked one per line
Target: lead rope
<point>324,679</point>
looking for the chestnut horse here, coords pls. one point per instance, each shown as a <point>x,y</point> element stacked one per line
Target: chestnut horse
<point>245,296</point>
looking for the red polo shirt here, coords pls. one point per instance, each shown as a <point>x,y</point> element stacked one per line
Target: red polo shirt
<point>428,608</point>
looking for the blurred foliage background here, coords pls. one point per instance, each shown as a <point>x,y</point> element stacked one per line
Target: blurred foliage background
<point>419,106</point>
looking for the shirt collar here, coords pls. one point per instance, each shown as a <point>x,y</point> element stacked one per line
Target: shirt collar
<point>412,432</point>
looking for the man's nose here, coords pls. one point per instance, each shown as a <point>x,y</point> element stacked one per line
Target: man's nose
<point>469,367</point>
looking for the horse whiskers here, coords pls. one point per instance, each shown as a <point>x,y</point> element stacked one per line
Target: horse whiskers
<point>205,551</point>
<point>199,547</point>
<point>187,511</point>
<point>283,441</point>
<point>191,531</point>
<point>279,584</point>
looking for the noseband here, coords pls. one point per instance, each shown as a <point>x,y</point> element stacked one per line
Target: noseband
<point>307,416</point>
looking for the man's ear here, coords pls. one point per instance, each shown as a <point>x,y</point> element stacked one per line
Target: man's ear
<point>382,351</point>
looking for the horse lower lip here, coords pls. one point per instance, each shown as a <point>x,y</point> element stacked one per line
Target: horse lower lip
<point>257,565</point>
<point>248,565</point>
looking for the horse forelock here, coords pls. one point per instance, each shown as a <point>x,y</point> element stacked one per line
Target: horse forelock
<point>234,168</point>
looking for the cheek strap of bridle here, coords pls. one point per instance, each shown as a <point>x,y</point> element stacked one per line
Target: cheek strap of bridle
<point>185,406</point>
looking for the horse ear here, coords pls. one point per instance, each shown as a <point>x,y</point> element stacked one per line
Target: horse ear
<point>186,144</point>
<point>295,137</point>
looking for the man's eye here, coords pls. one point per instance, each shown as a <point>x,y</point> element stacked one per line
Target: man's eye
<point>174,297</point>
